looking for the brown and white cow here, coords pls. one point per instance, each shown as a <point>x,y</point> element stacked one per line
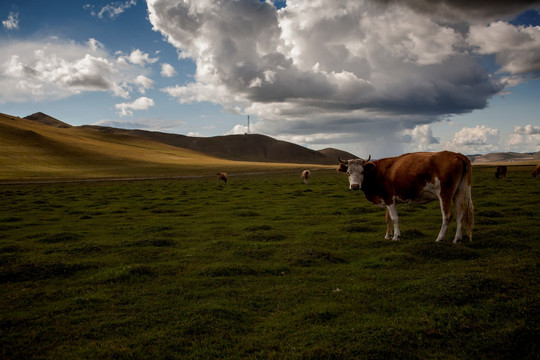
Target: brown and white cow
<point>416,178</point>
<point>536,171</point>
<point>222,176</point>
<point>501,171</point>
<point>306,174</point>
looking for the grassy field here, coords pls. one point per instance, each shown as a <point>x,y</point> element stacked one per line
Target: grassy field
<point>264,267</point>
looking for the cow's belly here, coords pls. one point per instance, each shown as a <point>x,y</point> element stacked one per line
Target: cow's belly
<point>430,192</point>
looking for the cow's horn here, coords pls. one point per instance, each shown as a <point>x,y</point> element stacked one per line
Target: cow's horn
<point>341,161</point>
<point>369,158</point>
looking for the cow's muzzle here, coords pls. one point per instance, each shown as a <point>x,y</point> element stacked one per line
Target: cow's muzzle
<point>355,187</point>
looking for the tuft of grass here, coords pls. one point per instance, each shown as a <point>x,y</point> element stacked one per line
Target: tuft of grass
<point>60,237</point>
<point>34,272</point>
<point>311,257</point>
<point>444,252</point>
<point>359,229</point>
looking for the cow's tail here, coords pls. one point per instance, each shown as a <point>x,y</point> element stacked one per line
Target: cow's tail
<point>465,188</point>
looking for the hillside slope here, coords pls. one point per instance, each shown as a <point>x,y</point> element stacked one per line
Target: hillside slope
<point>248,147</point>
<point>47,120</point>
<point>31,149</point>
<point>333,154</point>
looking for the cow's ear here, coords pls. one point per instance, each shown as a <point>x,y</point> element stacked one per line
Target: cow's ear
<point>368,167</point>
<point>342,168</point>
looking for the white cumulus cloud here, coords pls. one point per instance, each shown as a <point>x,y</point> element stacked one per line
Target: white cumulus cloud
<point>95,44</point>
<point>421,138</point>
<point>527,130</point>
<point>238,129</point>
<point>517,48</point>
<point>144,83</point>
<point>137,57</point>
<point>110,11</point>
<point>524,139</point>
<point>12,21</point>
<point>54,68</point>
<point>479,139</point>
<point>167,70</point>
<point>142,103</point>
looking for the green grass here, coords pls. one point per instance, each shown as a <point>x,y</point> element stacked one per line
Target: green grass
<point>264,267</point>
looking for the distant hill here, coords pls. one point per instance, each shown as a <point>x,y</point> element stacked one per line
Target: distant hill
<point>47,120</point>
<point>504,157</point>
<point>45,148</point>
<point>248,147</point>
<point>31,150</point>
<point>335,153</point>
<point>42,146</point>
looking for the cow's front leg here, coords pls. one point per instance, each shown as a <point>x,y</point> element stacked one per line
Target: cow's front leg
<point>391,210</point>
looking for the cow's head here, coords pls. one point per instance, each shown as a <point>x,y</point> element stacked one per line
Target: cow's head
<point>355,171</point>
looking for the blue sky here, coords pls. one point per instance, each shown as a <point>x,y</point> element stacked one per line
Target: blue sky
<point>377,77</point>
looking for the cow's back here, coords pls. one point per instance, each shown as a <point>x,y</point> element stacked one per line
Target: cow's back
<point>406,176</point>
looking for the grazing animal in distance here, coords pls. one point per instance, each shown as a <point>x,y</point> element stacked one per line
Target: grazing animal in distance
<point>306,174</point>
<point>222,176</point>
<point>416,178</point>
<point>536,171</point>
<point>501,171</point>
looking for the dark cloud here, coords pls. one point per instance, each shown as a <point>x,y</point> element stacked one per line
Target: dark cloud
<point>331,71</point>
<point>467,10</point>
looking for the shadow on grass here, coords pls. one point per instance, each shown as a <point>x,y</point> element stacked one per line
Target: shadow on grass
<point>443,251</point>
<point>311,257</point>
<point>33,272</point>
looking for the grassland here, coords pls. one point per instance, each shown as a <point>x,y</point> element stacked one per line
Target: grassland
<point>264,267</point>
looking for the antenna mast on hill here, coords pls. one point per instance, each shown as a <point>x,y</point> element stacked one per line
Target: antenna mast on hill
<point>248,129</point>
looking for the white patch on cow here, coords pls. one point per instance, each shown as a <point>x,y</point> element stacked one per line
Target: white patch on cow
<point>431,191</point>
<point>355,172</point>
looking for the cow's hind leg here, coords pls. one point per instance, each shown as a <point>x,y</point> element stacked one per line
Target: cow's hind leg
<point>391,212</point>
<point>463,208</point>
<point>446,212</point>
<point>459,201</point>
<point>388,225</point>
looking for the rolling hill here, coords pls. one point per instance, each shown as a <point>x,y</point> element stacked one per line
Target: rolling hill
<point>47,120</point>
<point>248,147</point>
<point>40,146</point>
